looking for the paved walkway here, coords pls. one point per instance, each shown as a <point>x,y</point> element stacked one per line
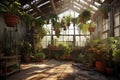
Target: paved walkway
<point>54,70</point>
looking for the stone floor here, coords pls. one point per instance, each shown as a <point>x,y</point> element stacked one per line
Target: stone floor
<point>55,70</point>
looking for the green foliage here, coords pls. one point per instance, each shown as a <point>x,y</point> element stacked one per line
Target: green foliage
<point>26,47</point>
<point>92,24</point>
<point>105,8</point>
<point>39,54</point>
<point>53,18</point>
<point>39,22</point>
<point>84,16</point>
<point>28,19</point>
<point>83,28</point>
<point>80,58</point>
<point>43,32</point>
<point>68,19</point>
<point>57,25</point>
<point>11,7</point>
<point>116,53</point>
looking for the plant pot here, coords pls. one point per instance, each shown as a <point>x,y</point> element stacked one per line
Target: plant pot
<point>109,70</point>
<point>67,57</point>
<point>39,60</point>
<point>105,15</point>
<point>100,66</point>
<point>11,20</point>
<point>91,29</point>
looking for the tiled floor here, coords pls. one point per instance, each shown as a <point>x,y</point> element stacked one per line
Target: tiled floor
<point>54,70</point>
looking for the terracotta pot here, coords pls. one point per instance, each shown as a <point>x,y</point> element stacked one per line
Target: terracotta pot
<point>67,57</point>
<point>91,29</point>
<point>40,60</point>
<point>100,66</point>
<point>109,70</point>
<point>105,16</point>
<point>11,20</point>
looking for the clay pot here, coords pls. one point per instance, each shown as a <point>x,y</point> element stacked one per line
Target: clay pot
<point>11,20</point>
<point>91,29</point>
<point>100,66</point>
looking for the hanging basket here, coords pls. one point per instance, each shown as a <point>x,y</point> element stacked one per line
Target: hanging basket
<point>105,15</point>
<point>91,29</point>
<point>11,20</point>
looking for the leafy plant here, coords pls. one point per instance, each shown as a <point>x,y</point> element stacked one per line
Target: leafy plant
<point>11,7</point>
<point>28,19</point>
<point>116,53</point>
<point>68,19</point>
<point>57,26</point>
<point>84,16</point>
<point>39,54</point>
<point>53,18</point>
<point>105,8</point>
<point>83,28</point>
<point>25,47</point>
<point>80,58</point>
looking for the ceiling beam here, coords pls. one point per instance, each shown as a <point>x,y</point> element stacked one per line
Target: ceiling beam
<point>63,10</point>
<point>64,5</point>
<point>75,9</point>
<point>86,6</point>
<point>91,3</point>
<point>53,5</point>
<point>34,7</point>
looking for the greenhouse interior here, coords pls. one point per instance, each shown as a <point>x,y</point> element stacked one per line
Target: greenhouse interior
<point>60,40</point>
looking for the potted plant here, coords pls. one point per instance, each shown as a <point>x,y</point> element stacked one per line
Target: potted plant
<point>105,8</point>
<point>100,58</point>
<point>39,55</point>
<point>53,18</point>
<point>84,16</point>
<point>68,19</point>
<point>67,51</point>
<point>80,58</point>
<point>83,28</point>
<point>92,27</point>
<point>25,51</point>
<point>57,27</point>
<point>116,55</point>
<point>11,10</point>
<point>64,23</point>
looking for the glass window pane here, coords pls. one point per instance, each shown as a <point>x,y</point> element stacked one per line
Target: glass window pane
<point>104,35</point>
<point>116,30</point>
<point>117,21</point>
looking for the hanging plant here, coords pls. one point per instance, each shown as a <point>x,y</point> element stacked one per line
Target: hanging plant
<point>57,26</point>
<point>84,16</point>
<point>53,18</point>
<point>105,8</point>
<point>92,27</point>
<point>43,32</point>
<point>11,12</point>
<point>83,28</point>
<point>63,23</point>
<point>68,20</point>
<point>57,33</point>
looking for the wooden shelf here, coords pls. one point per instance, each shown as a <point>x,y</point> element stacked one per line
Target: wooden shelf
<point>10,61</point>
<point>15,70</point>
